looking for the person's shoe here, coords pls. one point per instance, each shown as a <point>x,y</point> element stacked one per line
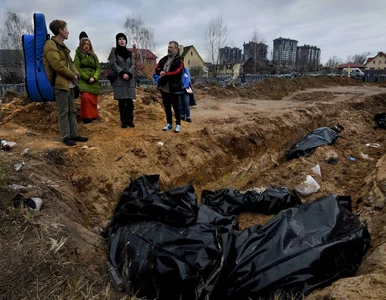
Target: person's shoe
<point>86,121</point>
<point>183,118</point>
<point>167,127</point>
<point>189,120</point>
<point>79,139</point>
<point>124,125</point>
<point>178,129</point>
<point>131,125</point>
<point>68,142</point>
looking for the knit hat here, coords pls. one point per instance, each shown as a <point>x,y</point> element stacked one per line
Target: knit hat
<point>82,35</point>
<point>119,35</point>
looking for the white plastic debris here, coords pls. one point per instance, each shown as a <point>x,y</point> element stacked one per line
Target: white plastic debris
<point>18,166</point>
<point>84,147</point>
<point>307,187</point>
<point>25,151</point>
<point>35,203</point>
<point>16,187</point>
<point>365,156</point>
<point>160,144</point>
<point>12,144</point>
<point>373,145</point>
<point>316,170</point>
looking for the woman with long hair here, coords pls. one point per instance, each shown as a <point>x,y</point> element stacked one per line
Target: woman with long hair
<point>87,63</point>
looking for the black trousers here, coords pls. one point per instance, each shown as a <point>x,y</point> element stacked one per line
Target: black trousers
<point>170,100</point>
<point>126,110</point>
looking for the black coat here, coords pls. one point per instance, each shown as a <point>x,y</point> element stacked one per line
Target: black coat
<point>173,76</point>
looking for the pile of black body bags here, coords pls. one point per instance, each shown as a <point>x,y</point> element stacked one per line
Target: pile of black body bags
<point>163,245</point>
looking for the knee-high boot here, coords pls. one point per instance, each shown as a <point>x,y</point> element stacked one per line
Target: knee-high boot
<point>130,110</point>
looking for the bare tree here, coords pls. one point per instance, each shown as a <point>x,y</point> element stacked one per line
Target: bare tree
<point>137,34</point>
<point>215,38</point>
<point>358,58</point>
<point>140,37</point>
<point>333,62</point>
<point>11,33</point>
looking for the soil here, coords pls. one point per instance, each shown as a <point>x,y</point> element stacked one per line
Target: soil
<point>237,139</point>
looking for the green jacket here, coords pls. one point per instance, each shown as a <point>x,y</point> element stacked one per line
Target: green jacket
<point>56,57</point>
<point>88,67</point>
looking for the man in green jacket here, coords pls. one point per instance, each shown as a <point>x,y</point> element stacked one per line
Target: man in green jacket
<point>63,75</point>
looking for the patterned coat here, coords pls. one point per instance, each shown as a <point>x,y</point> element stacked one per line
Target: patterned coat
<point>123,89</point>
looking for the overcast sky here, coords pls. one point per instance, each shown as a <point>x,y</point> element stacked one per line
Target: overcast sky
<point>337,27</point>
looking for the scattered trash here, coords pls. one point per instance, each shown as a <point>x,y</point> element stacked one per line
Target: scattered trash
<point>98,230</point>
<point>338,128</point>
<point>17,187</point>
<point>373,145</point>
<point>18,166</point>
<point>29,133</point>
<point>20,200</point>
<point>332,160</point>
<point>307,187</point>
<point>12,144</point>
<point>351,158</point>
<point>34,203</point>
<point>365,156</point>
<point>380,120</point>
<point>332,157</point>
<point>316,170</point>
<point>160,144</point>
<point>306,146</point>
<point>4,145</point>
<point>98,107</point>
<point>25,151</point>
<point>84,147</point>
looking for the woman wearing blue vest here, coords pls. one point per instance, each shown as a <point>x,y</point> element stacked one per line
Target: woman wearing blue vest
<point>184,97</point>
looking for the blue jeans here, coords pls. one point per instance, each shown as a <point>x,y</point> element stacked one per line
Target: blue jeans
<point>183,100</point>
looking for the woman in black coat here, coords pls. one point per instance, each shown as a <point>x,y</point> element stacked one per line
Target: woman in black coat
<point>122,62</point>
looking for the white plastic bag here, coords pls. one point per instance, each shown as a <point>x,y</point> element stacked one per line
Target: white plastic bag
<point>307,187</point>
<point>316,170</point>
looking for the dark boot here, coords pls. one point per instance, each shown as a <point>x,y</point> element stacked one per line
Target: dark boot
<point>131,120</point>
<point>123,112</point>
<point>130,112</point>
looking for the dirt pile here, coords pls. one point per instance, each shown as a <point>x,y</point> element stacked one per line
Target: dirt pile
<point>276,88</point>
<point>237,140</point>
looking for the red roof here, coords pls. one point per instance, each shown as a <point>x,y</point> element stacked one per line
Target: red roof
<point>369,59</point>
<point>351,65</point>
<point>145,53</point>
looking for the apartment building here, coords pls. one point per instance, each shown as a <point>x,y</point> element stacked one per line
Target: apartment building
<point>284,52</point>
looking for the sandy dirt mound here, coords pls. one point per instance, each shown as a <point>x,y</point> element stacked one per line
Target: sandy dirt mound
<point>275,88</point>
<point>237,139</point>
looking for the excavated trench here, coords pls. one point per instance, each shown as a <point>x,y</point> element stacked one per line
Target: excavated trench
<point>241,150</point>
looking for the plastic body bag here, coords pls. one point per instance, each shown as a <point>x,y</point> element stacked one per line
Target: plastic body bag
<point>306,146</point>
<point>230,201</point>
<point>299,250</point>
